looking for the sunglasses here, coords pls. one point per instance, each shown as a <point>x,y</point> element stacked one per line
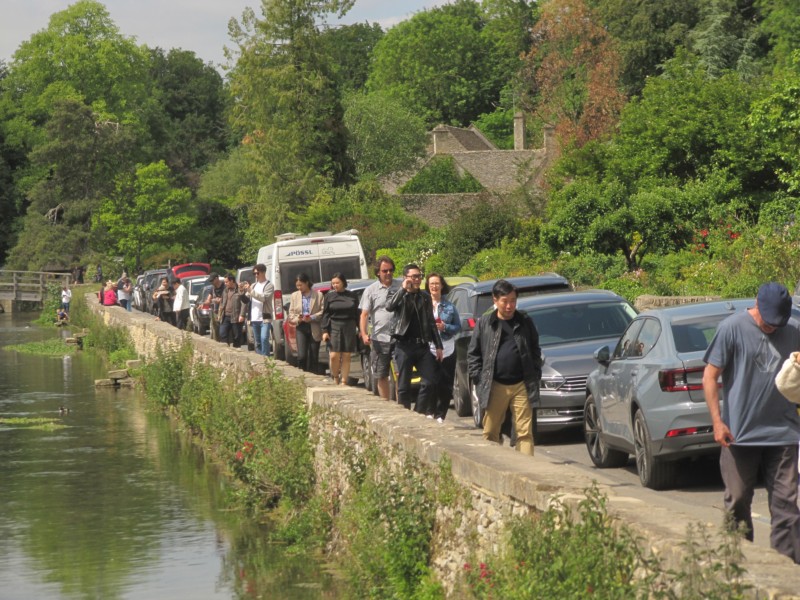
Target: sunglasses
<point>387,270</point>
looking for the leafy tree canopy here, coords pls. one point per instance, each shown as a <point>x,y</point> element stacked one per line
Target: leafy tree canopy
<point>145,213</point>
<point>385,136</point>
<point>452,61</point>
<point>80,55</point>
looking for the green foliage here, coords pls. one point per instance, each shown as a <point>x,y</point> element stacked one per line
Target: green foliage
<point>498,126</point>
<point>388,527</point>
<point>648,34</point>
<point>385,136</point>
<point>189,128</point>
<point>379,218</point>
<point>350,48</point>
<point>451,62</point>
<point>259,427</point>
<point>287,108</point>
<point>165,376</point>
<point>51,302</point>
<point>74,168</point>
<point>51,347</point>
<point>567,554</point>
<point>145,212</point>
<point>441,176</point>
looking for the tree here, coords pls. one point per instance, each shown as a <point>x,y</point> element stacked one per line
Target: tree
<point>288,109</point>
<point>686,125</point>
<point>447,62</point>
<point>648,33</point>
<point>145,213</point>
<point>385,136</point>
<point>572,73</point>
<point>80,55</point>
<point>727,37</point>
<point>380,219</point>
<point>776,120</point>
<point>780,22</point>
<point>350,49</point>
<point>189,128</point>
<point>72,170</point>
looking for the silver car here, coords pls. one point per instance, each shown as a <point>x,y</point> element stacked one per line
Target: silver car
<point>646,398</point>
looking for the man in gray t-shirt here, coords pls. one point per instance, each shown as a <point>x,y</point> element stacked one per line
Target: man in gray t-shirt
<point>757,427</point>
<point>374,314</point>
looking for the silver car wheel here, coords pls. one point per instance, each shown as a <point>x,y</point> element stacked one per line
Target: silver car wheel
<point>653,473</point>
<point>602,456</point>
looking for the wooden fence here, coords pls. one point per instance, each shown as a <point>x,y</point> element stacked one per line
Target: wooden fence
<point>29,286</point>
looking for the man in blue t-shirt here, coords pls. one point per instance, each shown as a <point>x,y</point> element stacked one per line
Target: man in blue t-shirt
<point>757,427</point>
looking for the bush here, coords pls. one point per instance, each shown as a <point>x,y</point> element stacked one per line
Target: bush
<point>440,176</point>
<point>483,226</point>
<point>561,554</point>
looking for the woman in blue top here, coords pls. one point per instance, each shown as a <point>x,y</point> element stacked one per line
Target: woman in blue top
<point>449,324</point>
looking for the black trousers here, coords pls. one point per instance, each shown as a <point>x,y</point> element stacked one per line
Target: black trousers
<point>307,348</point>
<point>407,356</point>
<point>439,396</point>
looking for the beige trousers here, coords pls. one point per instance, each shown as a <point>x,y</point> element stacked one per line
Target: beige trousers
<point>500,398</point>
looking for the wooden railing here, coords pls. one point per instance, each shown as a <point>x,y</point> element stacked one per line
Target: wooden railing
<point>29,286</point>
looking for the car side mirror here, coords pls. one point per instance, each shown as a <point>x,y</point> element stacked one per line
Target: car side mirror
<point>603,355</point>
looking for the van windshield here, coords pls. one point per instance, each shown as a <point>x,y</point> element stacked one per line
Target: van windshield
<point>318,270</point>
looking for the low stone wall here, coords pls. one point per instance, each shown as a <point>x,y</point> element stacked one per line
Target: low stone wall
<point>498,483</point>
<point>647,301</point>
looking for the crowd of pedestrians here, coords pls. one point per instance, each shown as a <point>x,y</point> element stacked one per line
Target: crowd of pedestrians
<point>412,329</point>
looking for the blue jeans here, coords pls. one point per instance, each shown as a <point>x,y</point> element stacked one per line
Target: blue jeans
<point>261,333</point>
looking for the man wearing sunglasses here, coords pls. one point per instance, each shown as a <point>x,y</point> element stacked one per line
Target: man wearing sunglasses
<point>374,314</point>
<point>414,331</point>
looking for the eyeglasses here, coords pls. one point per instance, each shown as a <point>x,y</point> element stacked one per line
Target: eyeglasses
<point>414,276</point>
<point>387,270</point>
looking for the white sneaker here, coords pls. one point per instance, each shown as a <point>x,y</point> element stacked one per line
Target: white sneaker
<point>428,416</point>
<point>440,420</point>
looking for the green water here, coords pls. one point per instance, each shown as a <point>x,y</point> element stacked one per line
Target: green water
<point>111,503</point>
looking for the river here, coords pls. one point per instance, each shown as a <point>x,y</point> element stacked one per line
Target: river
<point>111,503</point>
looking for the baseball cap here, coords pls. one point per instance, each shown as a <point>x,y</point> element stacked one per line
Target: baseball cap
<point>774,304</point>
<point>212,276</point>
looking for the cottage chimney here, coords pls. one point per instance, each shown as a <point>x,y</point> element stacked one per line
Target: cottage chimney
<point>519,131</point>
<point>549,139</point>
<point>439,133</point>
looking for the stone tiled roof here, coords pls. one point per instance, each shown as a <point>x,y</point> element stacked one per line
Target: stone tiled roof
<point>469,140</point>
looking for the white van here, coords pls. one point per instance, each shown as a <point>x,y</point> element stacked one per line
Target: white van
<point>319,255</point>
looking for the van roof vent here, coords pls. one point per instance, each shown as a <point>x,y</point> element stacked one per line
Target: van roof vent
<point>319,234</point>
<point>348,232</point>
<point>287,236</point>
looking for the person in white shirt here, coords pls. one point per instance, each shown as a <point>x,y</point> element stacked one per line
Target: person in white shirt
<point>66,298</point>
<point>180,306</point>
<point>261,293</point>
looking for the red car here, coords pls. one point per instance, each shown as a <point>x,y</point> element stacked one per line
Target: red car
<point>190,270</point>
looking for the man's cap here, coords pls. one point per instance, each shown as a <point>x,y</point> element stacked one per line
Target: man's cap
<point>774,304</point>
<point>211,277</point>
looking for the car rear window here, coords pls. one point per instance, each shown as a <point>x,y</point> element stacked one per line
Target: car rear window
<point>197,286</point>
<point>695,335</point>
<point>485,301</point>
<point>580,322</point>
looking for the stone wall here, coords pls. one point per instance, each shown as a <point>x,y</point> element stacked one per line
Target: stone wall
<point>498,483</point>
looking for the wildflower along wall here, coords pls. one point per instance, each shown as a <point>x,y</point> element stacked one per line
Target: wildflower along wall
<point>435,478</point>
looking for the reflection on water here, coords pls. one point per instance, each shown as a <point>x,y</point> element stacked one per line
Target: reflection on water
<point>114,504</point>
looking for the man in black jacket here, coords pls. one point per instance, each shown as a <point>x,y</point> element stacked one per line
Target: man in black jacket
<point>505,364</point>
<point>414,331</point>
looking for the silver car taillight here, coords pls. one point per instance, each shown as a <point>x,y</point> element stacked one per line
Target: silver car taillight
<point>681,380</point>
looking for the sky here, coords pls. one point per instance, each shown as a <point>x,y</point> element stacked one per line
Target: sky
<point>197,25</point>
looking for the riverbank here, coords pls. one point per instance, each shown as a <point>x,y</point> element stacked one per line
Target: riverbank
<point>464,492</point>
